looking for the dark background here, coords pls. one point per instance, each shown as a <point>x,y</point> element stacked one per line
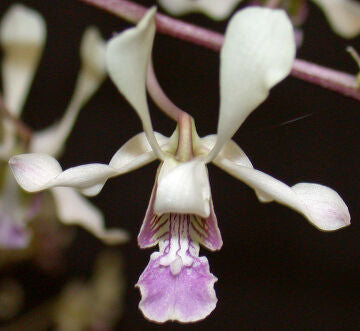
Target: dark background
<point>275,270</point>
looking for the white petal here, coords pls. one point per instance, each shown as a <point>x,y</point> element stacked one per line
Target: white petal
<point>72,208</point>
<point>136,152</point>
<point>127,57</point>
<point>327,210</point>
<point>215,9</point>
<point>183,188</point>
<point>22,37</point>
<point>321,205</point>
<point>232,152</point>
<point>92,74</point>
<point>33,171</point>
<point>36,172</point>
<point>258,52</point>
<point>343,16</point>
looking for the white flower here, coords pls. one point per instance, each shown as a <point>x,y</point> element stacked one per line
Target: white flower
<point>22,37</point>
<point>343,15</point>
<point>215,9</point>
<point>251,63</point>
<point>258,53</point>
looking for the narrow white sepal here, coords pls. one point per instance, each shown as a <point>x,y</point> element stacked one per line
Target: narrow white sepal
<point>127,58</point>
<point>343,16</point>
<point>321,205</point>
<point>92,73</point>
<point>215,9</point>
<point>73,209</point>
<point>22,37</point>
<point>258,52</point>
<point>183,188</point>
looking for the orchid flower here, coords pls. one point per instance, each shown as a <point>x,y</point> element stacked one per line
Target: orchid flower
<point>343,15</point>
<point>258,53</point>
<point>22,37</point>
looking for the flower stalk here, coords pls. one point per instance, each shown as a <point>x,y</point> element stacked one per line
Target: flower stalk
<point>25,133</point>
<point>159,97</point>
<point>331,79</point>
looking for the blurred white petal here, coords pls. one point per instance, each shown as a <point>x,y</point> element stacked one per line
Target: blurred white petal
<point>183,188</point>
<point>321,205</point>
<point>127,58</point>
<point>22,37</point>
<point>92,73</point>
<point>74,209</point>
<point>215,9</point>
<point>343,16</point>
<point>258,52</point>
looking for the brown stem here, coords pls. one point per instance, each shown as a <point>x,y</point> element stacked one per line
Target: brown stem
<point>24,131</point>
<point>319,75</point>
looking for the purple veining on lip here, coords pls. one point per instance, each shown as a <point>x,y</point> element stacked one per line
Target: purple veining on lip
<point>177,283</point>
<point>206,230</point>
<point>203,230</point>
<point>13,235</point>
<point>147,236</point>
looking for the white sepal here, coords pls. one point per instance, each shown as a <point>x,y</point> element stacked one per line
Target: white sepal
<point>183,188</point>
<point>258,52</point>
<point>321,205</point>
<point>127,58</point>
<point>73,209</point>
<point>343,16</point>
<point>22,37</point>
<point>92,73</point>
<point>215,9</point>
